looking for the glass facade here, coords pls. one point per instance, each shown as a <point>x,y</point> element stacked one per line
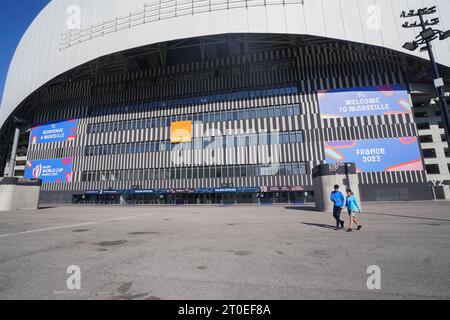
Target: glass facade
<point>206,172</point>
<point>230,141</point>
<point>192,100</point>
<point>235,115</point>
<point>234,142</point>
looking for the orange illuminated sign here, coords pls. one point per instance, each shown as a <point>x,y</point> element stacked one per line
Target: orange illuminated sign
<point>181,132</point>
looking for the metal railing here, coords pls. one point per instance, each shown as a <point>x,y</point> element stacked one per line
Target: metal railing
<point>160,10</point>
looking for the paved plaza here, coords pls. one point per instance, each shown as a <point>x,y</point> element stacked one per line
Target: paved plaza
<point>225,252</point>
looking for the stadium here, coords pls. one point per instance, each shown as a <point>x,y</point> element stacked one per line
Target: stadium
<point>216,101</point>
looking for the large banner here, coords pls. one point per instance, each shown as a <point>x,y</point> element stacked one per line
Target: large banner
<point>360,102</point>
<point>50,171</point>
<point>54,132</point>
<point>396,154</point>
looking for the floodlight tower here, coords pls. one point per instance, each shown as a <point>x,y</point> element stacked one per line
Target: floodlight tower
<point>428,35</point>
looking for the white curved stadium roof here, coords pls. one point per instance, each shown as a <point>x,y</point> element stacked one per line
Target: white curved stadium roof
<point>69,33</point>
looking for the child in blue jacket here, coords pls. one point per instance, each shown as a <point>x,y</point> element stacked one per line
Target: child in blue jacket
<point>352,207</point>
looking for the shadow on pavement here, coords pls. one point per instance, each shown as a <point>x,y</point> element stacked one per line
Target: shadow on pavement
<point>305,208</point>
<point>403,216</point>
<point>326,226</point>
<point>301,208</point>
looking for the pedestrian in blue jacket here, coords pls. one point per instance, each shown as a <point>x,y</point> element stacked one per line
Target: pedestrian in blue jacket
<point>352,207</point>
<point>338,204</point>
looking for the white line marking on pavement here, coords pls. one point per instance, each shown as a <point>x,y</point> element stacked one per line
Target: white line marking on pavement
<point>72,226</point>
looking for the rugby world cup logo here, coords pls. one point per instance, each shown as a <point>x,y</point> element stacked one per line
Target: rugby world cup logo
<point>37,171</point>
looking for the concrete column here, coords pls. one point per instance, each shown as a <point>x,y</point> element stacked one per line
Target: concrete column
<point>326,176</point>
<point>447,192</point>
<point>12,161</point>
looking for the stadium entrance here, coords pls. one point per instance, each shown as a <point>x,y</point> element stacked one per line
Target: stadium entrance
<point>225,196</point>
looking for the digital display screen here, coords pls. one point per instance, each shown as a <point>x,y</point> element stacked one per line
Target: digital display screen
<point>360,102</point>
<point>50,171</point>
<point>385,155</point>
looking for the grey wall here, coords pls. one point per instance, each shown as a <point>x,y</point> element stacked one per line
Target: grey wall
<point>19,198</point>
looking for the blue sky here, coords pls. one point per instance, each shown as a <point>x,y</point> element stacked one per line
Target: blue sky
<point>15,17</point>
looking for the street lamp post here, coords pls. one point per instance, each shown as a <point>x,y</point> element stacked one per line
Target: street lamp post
<point>426,37</point>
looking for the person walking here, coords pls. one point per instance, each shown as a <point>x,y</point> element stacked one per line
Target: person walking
<point>352,207</point>
<point>338,204</point>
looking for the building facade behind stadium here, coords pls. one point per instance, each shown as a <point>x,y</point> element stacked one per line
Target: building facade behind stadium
<point>221,101</point>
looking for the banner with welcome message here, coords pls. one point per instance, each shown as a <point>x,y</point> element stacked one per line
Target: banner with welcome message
<point>54,132</point>
<point>368,101</point>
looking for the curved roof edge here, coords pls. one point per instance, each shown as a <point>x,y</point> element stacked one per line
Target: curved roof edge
<point>49,49</point>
